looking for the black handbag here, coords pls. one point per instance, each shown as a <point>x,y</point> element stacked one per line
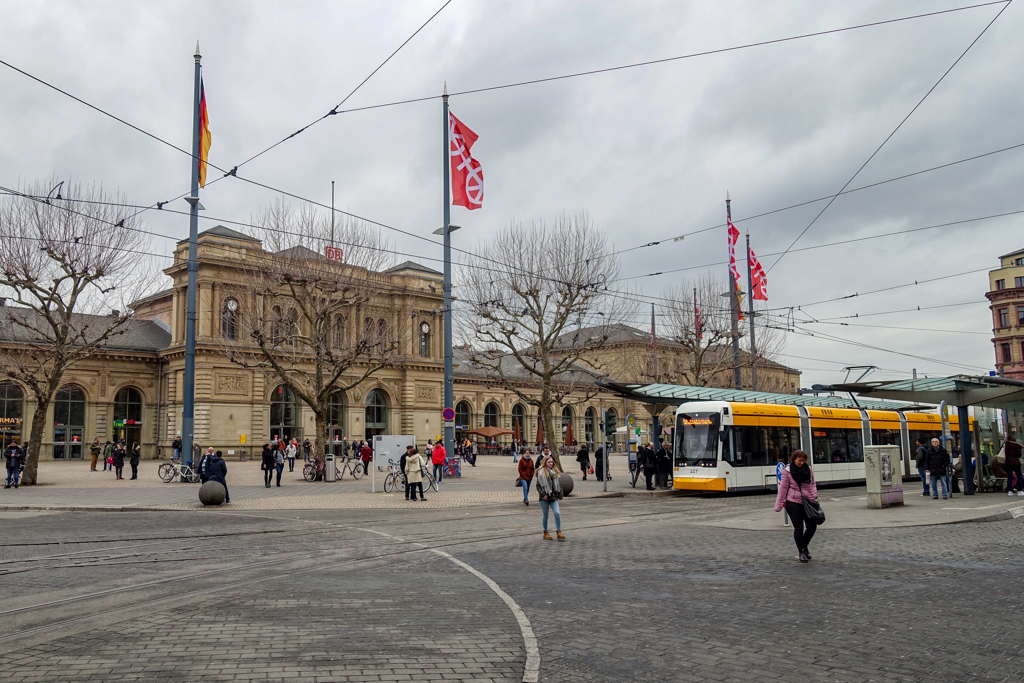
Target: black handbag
<point>812,510</point>
<point>519,482</point>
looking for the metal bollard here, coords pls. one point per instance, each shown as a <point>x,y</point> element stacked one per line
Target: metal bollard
<point>785,517</point>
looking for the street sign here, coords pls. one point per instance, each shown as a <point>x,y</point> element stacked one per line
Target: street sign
<point>779,466</point>
<point>448,414</point>
<point>638,432</point>
<point>447,425</point>
<point>631,420</point>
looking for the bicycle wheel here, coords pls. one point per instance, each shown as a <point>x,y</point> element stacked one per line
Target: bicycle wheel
<point>356,470</point>
<point>192,477</point>
<point>166,472</point>
<point>309,472</point>
<point>429,482</point>
<point>389,482</point>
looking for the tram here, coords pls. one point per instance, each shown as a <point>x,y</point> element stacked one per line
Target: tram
<point>729,446</point>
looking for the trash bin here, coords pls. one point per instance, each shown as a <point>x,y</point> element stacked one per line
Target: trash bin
<point>330,474</point>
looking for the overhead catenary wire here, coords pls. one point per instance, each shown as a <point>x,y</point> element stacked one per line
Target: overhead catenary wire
<point>891,134</point>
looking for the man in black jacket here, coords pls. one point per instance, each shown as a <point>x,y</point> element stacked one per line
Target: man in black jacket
<point>15,461</point>
<point>921,460</point>
<point>217,470</point>
<point>938,464</point>
<point>664,465</point>
<point>649,462</point>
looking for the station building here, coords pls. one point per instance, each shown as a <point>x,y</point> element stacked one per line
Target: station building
<point>1006,297</point>
<point>132,388</point>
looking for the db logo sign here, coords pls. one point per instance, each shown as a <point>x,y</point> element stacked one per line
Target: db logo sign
<point>333,254</point>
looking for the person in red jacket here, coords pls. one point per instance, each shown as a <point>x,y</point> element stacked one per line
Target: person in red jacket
<point>366,455</point>
<point>526,471</point>
<point>437,458</point>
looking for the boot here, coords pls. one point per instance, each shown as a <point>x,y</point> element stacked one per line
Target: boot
<point>560,535</point>
<point>547,536</point>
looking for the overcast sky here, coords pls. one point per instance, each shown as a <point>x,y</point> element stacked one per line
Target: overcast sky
<point>648,152</point>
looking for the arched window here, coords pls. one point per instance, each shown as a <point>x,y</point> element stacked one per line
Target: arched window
<point>229,318</point>
<point>519,419</point>
<point>382,333</point>
<point>12,413</point>
<point>376,413</point>
<point>291,327</point>
<point>463,417</point>
<point>368,329</point>
<point>589,418</point>
<point>335,424</point>
<point>567,424</point>
<point>275,325</point>
<point>128,417</point>
<point>338,331</point>
<point>491,413</point>
<point>68,422</point>
<point>284,414</point>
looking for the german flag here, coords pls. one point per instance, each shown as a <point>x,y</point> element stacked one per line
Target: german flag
<point>205,138</point>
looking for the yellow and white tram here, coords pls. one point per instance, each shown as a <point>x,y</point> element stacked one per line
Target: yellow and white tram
<point>730,446</point>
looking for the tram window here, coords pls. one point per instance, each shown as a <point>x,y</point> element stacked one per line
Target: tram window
<point>697,439</point>
<point>782,441</point>
<point>885,437</point>
<point>837,445</point>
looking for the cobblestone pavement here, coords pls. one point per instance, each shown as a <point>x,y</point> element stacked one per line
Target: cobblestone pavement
<point>641,590</point>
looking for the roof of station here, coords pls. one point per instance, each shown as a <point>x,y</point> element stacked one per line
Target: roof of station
<point>957,390</point>
<point>677,394</point>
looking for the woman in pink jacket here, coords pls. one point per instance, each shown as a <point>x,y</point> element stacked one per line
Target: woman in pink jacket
<point>796,486</point>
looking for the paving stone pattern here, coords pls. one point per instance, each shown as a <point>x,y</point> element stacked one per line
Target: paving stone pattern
<point>642,590</point>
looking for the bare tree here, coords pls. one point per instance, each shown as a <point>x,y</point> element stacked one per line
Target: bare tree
<point>70,265</point>
<point>707,358</point>
<point>298,318</point>
<point>523,292</point>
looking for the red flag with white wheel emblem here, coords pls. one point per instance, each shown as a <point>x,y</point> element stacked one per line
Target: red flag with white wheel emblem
<point>467,175</point>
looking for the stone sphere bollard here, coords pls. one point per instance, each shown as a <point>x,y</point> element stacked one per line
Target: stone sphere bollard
<point>567,483</point>
<point>212,493</point>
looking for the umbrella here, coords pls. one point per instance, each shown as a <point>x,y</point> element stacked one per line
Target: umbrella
<point>489,432</point>
<point>568,433</point>
<point>517,434</point>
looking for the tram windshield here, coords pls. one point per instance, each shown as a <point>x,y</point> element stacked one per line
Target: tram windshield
<point>696,441</point>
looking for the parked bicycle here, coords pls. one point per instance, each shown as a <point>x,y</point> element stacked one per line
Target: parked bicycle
<point>169,471</point>
<point>396,477</point>
<point>353,466</point>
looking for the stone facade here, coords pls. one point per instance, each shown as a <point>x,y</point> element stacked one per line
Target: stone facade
<point>1006,294</point>
<point>135,390</point>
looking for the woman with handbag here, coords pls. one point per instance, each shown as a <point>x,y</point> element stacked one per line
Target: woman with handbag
<point>549,488</point>
<point>526,469</point>
<point>267,465</point>
<point>797,488</point>
<point>583,458</point>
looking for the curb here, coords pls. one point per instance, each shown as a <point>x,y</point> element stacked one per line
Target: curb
<point>73,508</point>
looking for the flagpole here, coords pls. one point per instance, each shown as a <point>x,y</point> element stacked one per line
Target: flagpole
<point>734,307</point>
<point>189,380</point>
<point>449,399</point>
<point>750,312</point>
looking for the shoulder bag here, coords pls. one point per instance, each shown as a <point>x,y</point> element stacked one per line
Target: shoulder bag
<point>812,510</point>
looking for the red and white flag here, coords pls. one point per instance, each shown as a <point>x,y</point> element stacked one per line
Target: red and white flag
<point>734,235</point>
<point>758,278</point>
<point>467,175</point>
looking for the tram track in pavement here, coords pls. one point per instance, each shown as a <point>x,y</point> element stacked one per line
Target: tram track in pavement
<point>405,547</point>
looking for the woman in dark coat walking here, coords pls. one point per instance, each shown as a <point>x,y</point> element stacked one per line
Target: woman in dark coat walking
<point>798,485</point>
<point>118,455</point>
<point>134,462</point>
<point>583,458</point>
<point>268,465</point>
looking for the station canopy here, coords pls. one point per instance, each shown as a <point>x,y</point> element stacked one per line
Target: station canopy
<point>958,390</point>
<point>677,394</point>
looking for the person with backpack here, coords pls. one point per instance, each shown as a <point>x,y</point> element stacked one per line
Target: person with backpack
<point>526,472</point>
<point>798,485</point>
<point>921,460</point>
<point>549,489</point>
<point>938,467</point>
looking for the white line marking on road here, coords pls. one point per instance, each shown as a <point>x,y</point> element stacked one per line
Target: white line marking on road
<point>531,673</point>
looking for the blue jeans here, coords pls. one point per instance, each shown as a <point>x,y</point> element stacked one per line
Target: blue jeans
<point>553,506</point>
<point>13,472</point>
<point>438,472</point>
<point>935,486</point>
<point>924,478</point>
<point>291,464</point>
<point>280,469</point>
<point>525,483</point>
<point>177,453</point>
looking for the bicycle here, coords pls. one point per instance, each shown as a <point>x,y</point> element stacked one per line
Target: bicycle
<point>170,471</point>
<point>351,465</point>
<point>397,477</point>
